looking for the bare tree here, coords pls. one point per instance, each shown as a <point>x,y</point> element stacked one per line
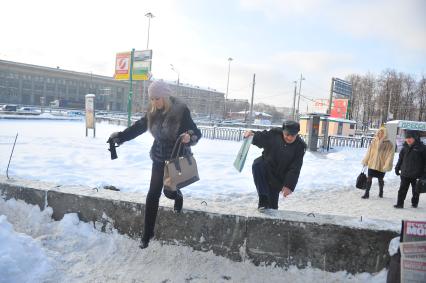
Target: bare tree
<point>421,96</point>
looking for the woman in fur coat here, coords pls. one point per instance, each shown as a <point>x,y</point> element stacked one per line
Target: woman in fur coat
<point>167,118</point>
<point>379,160</point>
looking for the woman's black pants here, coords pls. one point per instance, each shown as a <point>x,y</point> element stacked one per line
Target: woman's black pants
<point>153,198</point>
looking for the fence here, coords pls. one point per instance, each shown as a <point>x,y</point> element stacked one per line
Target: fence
<point>237,135</point>
<point>219,133</point>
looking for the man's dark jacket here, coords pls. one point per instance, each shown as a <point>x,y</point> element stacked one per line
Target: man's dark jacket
<point>412,160</point>
<point>283,160</point>
<point>165,128</point>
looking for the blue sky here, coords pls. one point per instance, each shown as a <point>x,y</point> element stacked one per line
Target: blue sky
<point>276,39</point>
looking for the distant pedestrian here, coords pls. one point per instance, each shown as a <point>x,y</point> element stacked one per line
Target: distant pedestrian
<point>379,160</point>
<point>411,166</point>
<point>167,118</point>
<point>278,169</point>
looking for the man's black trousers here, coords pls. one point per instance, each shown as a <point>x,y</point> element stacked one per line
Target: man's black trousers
<point>268,198</point>
<point>403,189</point>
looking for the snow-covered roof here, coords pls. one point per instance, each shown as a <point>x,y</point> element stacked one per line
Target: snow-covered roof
<point>409,125</point>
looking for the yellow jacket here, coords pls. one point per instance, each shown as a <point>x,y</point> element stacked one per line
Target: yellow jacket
<point>380,153</point>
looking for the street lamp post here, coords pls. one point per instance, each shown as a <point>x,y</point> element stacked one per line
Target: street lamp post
<point>300,88</point>
<point>177,84</point>
<point>150,16</point>
<point>227,86</point>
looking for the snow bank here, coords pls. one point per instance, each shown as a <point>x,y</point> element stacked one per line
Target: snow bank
<point>73,251</point>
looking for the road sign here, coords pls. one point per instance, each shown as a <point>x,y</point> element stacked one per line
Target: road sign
<point>342,87</point>
<point>141,65</point>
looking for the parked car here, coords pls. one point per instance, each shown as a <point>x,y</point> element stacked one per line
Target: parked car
<point>9,107</point>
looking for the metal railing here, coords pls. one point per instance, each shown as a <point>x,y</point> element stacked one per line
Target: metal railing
<point>219,133</point>
<point>342,141</point>
<point>236,134</point>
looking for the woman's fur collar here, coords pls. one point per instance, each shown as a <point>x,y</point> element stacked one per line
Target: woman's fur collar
<point>165,126</point>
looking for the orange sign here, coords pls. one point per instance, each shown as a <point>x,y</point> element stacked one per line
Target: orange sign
<point>122,66</point>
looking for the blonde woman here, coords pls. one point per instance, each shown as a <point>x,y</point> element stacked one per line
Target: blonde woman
<point>379,160</point>
<point>167,118</point>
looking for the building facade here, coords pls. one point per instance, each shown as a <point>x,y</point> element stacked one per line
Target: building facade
<point>26,84</point>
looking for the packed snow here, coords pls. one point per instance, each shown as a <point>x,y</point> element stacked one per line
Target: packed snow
<point>34,248</point>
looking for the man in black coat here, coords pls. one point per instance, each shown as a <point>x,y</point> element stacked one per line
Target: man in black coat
<point>278,169</point>
<point>411,166</point>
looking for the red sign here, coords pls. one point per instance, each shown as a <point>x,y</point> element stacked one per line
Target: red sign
<point>339,108</point>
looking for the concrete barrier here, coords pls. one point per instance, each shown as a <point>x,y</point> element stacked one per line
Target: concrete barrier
<point>283,238</point>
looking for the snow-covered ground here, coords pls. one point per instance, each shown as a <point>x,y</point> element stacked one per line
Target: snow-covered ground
<point>34,248</point>
<point>59,152</point>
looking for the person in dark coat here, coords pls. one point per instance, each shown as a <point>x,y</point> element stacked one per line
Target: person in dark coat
<point>411,166</point>
<point>167,118</point>
<point>278,169</point>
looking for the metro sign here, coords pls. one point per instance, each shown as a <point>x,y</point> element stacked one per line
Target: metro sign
<point>122,66</point>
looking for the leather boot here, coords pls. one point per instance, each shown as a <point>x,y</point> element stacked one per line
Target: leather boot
<point>381,185</point>
<point>367,190</point>
<point>178,201</point>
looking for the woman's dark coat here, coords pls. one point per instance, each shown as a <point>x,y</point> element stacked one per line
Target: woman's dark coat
<point>165,128</point>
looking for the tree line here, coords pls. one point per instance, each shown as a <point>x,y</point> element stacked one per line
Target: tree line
<point>390,95</point>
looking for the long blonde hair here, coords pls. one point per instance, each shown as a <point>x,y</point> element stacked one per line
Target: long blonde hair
<point>166,108</point>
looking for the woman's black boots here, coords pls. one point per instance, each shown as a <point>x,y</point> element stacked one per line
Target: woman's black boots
<point>381,185</point>
<point>145,240</point>
<point>367,189</point>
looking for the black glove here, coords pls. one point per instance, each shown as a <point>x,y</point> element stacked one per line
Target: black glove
<point>114,137</point>
<point>397,171</point>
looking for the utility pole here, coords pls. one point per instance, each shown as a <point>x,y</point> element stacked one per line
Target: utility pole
<point>177,84</point>
<point>252,98</point>
<point>389,105</point>
<point>227,86</point>
<point>326,121</point>
<point>129,101</point>
<point>293,111</point>
<point>298,99</point>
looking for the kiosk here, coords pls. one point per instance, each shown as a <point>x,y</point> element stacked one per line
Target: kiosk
<point>396,131</point>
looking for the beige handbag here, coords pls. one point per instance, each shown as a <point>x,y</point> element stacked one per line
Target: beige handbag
<point>181,171</point>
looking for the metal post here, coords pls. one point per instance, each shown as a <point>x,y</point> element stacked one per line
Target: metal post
<point>252,98</point>
<point>129,102</point>
<point>177,83</point>
<point>10,158</point>
<point>389,105</point>
<point>227,86</point>
<point>143,95</point>
<point>149,15</point>
<point>326,139</point>
<point>293,111</point>
<point>298,99</point>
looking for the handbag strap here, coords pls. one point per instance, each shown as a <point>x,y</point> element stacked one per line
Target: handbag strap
<point>177,146</point>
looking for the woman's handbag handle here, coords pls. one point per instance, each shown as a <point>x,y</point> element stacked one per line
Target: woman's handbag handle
<point>178,142</point>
